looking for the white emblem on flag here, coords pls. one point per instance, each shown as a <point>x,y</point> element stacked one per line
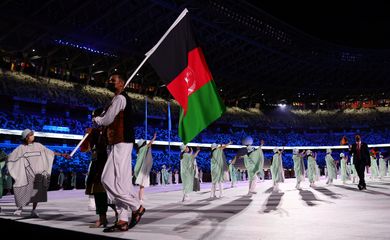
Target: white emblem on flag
<point>190,80</point>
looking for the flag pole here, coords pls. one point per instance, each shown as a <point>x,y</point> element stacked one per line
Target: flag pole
<point>178,19</point>
<point>146,117</point>
<point>147,55</point>
<point>78,145</point>
<point>169,130</point>
<point>151,51</point>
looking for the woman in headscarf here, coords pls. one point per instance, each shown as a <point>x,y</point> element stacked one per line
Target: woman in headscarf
<point>252,162</point>
<point>374,165</point>
<point>311,167</point>
<point>218,168</point>
<point>299,167</point>
<point>331,166</point>
<point>187,171</point>
<point>382,166</point>
<point>143,165</point>
<point>277,170</point>
<point>30,166</point>
<point>233,172</point>
<point>343,166</point>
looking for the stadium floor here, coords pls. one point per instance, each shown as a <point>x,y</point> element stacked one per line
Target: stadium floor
<point>326,212</point>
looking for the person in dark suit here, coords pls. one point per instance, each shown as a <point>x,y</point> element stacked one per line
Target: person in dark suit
<point>361,159</point>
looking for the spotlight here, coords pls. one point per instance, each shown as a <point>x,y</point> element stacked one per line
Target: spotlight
<point>282,105</point>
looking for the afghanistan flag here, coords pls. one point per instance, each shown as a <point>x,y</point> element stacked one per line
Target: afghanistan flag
<point>180,63</point>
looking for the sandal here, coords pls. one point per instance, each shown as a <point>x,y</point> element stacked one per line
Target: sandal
<point>136,216</point>
<point>98,224</point>
<point>118,227</point>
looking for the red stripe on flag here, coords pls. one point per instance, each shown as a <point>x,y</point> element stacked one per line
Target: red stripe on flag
<point>193,77</point>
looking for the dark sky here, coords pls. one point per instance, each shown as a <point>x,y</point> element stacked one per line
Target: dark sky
<point>350,23</point>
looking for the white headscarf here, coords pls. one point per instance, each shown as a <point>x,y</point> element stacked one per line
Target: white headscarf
<point>250,148</point>
<point>26,132</point>
<point>183,147</point>
<point>140,142</point>
<point>214,146</point>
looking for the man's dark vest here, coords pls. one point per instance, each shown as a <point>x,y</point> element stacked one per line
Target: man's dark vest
<point>121,129</point>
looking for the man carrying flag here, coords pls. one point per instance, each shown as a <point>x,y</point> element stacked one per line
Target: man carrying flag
<point>179,61</point>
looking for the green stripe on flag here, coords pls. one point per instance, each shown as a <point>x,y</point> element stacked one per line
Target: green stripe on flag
<point>204,107</point>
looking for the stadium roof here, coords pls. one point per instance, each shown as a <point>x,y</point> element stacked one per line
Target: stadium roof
<point>252,55</point>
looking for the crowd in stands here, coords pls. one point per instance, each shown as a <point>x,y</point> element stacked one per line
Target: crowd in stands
<point>16,84</point>
<point>215,134</point>
<point>23,86</point>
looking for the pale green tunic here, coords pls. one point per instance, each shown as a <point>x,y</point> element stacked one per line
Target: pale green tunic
<point>252,163</point>
<point>239,175</point>
<point>217,166</point>
<point>311,169</point>
<point>277,169</point>
<point>331,166</point>
<point>343,165</point>
<point>353,171</point>
<point>261,163</point>
<point>164,176</point>
<point>374,167</point>
<point>187,172</point>
<point>299,167</point>
<point>382,167</point>
<point>233,174</point>
<point>143,166</point>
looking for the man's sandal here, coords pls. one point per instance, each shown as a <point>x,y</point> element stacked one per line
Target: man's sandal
<point>136,216</point>
<point>117,227</point>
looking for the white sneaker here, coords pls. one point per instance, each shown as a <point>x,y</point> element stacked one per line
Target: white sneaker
<point>18,212</point>
<point>34,214</point>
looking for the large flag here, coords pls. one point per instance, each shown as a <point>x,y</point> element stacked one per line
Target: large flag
<point>180,63</point>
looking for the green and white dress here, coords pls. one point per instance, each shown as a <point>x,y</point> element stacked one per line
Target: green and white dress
<point>233,173</point>
<point>353,171</point>
<point>374,167</point>
<point>143,166</point>
<point>164,176</point>
<point>382,167</point>
<point>343,165</point>
<point>277,169</point>
<point>252,163</point>
<point>331,166</point>
<point>299,167</point>
<point>261,163</point>
<point>218,160</point>
<point>311,169</point>
<point>187,172</point>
